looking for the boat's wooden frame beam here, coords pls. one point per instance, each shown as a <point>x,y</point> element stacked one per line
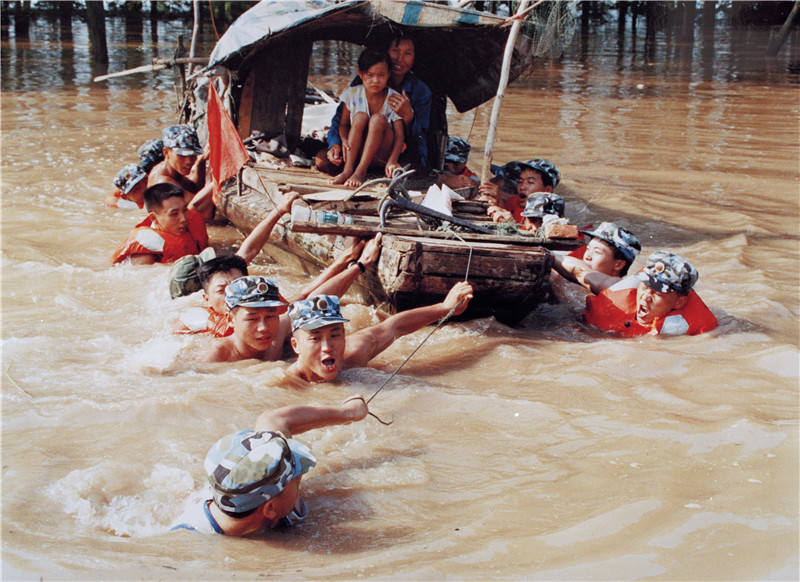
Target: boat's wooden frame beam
<point>273,94</point>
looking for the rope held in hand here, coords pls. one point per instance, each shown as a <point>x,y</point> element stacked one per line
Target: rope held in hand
<point>437,326</point>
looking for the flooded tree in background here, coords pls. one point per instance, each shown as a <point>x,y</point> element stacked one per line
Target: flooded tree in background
<point>675,19</point>
<point>22,15</point>
<point>95,19</point>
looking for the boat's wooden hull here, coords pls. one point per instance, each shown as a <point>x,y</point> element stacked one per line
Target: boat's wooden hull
<point>509,279</point>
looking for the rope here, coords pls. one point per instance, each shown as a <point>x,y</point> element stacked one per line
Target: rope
<point>437,326</point>
<point>213,24</point>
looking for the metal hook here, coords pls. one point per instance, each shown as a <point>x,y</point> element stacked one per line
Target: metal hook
<point>383,422</point>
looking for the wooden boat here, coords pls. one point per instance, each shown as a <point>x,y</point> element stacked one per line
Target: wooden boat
<point>458,54</point>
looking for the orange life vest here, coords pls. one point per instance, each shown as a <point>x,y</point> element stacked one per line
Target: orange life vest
<point>206,320</point>
<point>614,309</point>
<point>166,247</point>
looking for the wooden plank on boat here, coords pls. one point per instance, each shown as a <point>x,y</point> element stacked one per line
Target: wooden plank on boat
<point>270,93</point>
<point>364,230</point>
<point>299,56</point>
<point>246,106</point>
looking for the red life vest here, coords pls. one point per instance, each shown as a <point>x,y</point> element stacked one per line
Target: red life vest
<point>614,309</point>
<point>515,205</point>
<point>579,253</point>
<point>166,247</point>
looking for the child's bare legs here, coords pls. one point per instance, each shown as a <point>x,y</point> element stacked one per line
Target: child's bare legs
<point>377,147</point>
<point>358,127</point>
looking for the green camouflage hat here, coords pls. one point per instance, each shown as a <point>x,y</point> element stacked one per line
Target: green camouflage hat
<point>665,272</point>
<point>247,468</point>
<point>183,279</point>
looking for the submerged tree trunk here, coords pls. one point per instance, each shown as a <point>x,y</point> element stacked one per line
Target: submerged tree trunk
<point>709,17</point>
<point>651,13</point>
<point>134,20</point>
<point>65,10</point>
<point>585,17</point>
<point>688,15</point>
<point>96,21</point>
<point>22,18</point>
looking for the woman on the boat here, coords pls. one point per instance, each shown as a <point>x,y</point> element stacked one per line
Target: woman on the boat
<point>412,103</point>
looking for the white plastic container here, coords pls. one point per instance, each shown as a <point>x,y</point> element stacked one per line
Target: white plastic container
<point>305,214</point>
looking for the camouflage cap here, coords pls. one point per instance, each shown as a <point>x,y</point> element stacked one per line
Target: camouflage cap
<point>253,291</point>
<point>512,170</point>
<point>248,468</point>
<point>151,153</point>
<point>315,312</point>
<point>665,272</point>
<point>618,237</point>
<point>544,167</point>
<point>183,140</point>
<point>457,151</point>
<point>508,172</point>
<point>128,177</point>
<point>541,203</point>
<point>183,279</point>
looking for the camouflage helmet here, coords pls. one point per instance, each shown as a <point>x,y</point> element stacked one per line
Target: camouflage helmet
<point>665,272</point>
<point>541,203</point>
<point>548,169</point>
<point>183,279</point>
<point>315,312</point>
<point>457,150</point>
<point>151,153</point>
<point>128,177</point>
<point>248,468</point>
<point>253,291</point>
<point>618,237</point>
<point>182,139</point>
<point>512,170</point>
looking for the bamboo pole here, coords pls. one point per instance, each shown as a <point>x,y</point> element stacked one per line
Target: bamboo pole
<point>488,153</point>
<point>157,65</point>
<point>195,30</point>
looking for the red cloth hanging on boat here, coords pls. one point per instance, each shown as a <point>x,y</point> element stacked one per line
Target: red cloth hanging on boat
<point>226,153</point>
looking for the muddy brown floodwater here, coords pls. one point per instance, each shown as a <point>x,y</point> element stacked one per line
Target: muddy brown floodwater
<point>545,451</point>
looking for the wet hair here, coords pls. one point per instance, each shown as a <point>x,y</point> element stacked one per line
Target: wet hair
<point>220,264</point>
<point>618,256</point>
<point>154,196</point>
<point>397,37</point>
<point>373,56</point>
